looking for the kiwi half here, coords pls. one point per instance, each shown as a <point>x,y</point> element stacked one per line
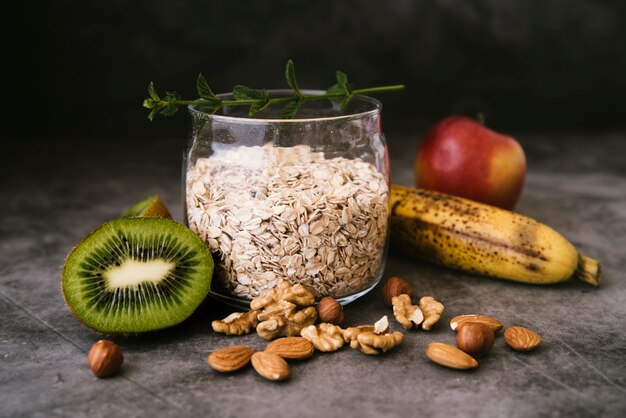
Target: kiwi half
<point>133,275</point>
<point>152,206</point>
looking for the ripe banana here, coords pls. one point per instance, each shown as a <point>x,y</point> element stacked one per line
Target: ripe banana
<point>483,239</point>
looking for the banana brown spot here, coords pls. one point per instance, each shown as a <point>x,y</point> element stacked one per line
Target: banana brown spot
<point>532,267</point>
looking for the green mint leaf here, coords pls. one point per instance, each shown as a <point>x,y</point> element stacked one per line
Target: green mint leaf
<point>342,80</point>
<point>204,91</point>
<point>169,110</point>
<point>342,89</point>
<point>152,92</point>
<point>148,103</point>
<point>344,103</point>
<point>168,106</point>
<point>153,113</point>
<point>258,106</point>
<point>172,96</point>
<point>337,89</point>
<point>290,109</point>
<point>211,103</point>
<point>261,98</point>
<point>341,93</point>
<point>246,93</point>
<point>290,75</point>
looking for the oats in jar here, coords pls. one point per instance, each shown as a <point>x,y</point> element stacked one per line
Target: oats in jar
<point>277,213</point>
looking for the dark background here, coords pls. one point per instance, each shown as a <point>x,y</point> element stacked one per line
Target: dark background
<point>82,68</point>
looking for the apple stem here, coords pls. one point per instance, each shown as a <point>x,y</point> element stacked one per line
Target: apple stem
<point>481,118</point>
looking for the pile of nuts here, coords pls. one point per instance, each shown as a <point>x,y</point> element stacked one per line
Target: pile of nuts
<point>475,337</point>
<point>269,363</point>
<point>279,312</point>
<point>286,314</point>
<point>398,293</point>
<point>475,333</point>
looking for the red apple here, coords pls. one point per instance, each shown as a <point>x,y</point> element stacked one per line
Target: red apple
<point>460,156</point>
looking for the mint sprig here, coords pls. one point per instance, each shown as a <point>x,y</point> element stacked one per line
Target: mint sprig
<point>342,89</point>
<point>340,93</point>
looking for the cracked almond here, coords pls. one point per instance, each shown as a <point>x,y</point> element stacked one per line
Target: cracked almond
<point>293,348</point>
<point>229,359</point>
<point>521,339</point>
<point>271,366</point>
<point>492,323</point>
<point>450,356</point>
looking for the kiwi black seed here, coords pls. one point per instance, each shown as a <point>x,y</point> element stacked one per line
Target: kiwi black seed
<point>151,206</point>
<point>133,275</point>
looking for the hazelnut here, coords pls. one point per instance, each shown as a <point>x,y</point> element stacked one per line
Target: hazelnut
<point>395,286</point>
<point>474,338</point>
<point>330,311</point>
<point>105,358</point>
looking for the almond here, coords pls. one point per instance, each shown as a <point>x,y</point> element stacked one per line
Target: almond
<point>295,348</point>
<point>492,323</point>
<point>229,359</point>
<point>521,339</point>
<point>271,366</point>
<point>395,286</point>
<point>450,356</point>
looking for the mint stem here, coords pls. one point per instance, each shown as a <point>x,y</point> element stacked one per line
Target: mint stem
<point>304,97</point>
<point>379,89</point>
<point>341,93</point>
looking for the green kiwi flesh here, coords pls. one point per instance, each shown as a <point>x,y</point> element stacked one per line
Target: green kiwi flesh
<point>133,275</point>
<point>152,206</point>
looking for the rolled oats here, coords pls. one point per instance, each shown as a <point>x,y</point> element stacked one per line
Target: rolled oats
<point>288,213</point>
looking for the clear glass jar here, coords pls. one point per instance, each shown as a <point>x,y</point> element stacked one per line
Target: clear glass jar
<point>304,200</point>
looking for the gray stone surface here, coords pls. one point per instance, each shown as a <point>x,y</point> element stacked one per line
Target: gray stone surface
<point>50,200</point>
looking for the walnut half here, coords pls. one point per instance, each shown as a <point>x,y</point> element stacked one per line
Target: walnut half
<point>411,316</point>
<point>371,343</point>
<point>287,325</point>
<point>278,311</point>
<point>284,292</point>
<point>325,337</point>
<point>238,323</point>
<point>432,311</point>
<point>366,339</point>
<point>351,334</point>
<point>407,314</point>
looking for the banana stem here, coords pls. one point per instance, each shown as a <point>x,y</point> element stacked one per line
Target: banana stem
<point>588,270</point>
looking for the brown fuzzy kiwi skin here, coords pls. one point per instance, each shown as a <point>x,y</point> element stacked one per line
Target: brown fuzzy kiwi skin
<point>155,209</point>
<point>115,334</point>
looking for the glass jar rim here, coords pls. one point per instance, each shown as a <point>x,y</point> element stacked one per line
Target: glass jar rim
<point>376,108</point>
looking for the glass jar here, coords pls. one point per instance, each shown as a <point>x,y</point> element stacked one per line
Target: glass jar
<point>304,200</point>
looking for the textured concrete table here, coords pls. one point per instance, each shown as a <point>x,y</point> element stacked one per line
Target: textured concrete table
<point>48,202</point>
